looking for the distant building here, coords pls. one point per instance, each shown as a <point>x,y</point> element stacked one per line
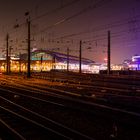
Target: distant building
<point>133,63</point>
<point>44,60</point>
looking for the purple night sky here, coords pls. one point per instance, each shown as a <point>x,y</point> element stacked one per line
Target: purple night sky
<point>58,24</point>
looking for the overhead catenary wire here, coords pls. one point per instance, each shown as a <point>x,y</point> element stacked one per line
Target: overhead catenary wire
<point>115,24</point>
<point>118,24</point>
<point>55,10</point>
<point>90,7</point>
<point>41,15</point>
<point>99,3</point>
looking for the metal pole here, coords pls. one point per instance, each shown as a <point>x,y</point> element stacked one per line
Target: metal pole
<point>108,60</point>
<point>9,58</point>
<point>53,63</point>
<point>19,62</point>
<point>80,56</point>
<point>67,59</point>
<point>29,44</point>
<point>41,59</point>
<point>7,51</point>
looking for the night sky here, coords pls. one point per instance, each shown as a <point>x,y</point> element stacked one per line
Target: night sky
<point>58,24</point>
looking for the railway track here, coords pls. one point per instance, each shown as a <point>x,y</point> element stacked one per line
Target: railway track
<point>27,124</point>
<point>106,129</point>
<point>24,127</point>
<point>94,86</point>
<point>103,108</point>
<point>123,85</point>
<point>83,78</point>
<point>100,94</point>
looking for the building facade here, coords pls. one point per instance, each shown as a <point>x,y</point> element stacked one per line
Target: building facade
<point>44,60</point>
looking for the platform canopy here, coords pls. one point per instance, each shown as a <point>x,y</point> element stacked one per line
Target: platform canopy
<point>59,57</point>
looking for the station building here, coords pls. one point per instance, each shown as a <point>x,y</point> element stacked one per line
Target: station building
<point>44,60</point>
<point>134,63</point>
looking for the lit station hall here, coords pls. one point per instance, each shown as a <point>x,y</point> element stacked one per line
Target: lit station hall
<point>44,60</point>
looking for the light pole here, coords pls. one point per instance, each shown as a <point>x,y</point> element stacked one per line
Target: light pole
<point>9,58</point>
<point>67,59</point>
<point>29,45</point>
<point>20,62</point>
<point>41,59</point>
<point>80,57</point>
<point>108,54</point>
<point>7,53</point>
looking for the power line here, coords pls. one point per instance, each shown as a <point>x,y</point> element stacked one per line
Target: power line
<point>115,24</point>
<point>97,4</point>
<point>56,10</point>
<point>90,7</point>
<point>45,14</point>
